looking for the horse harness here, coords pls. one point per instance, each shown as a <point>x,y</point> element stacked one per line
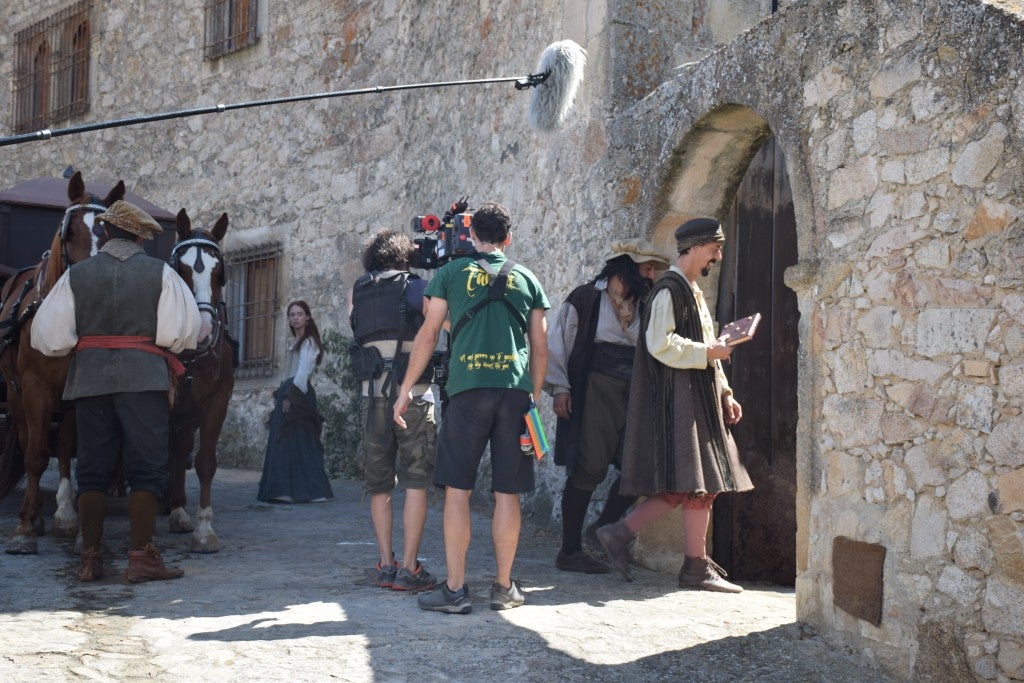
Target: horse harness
<point>218,316</point>
<point>10,327</point>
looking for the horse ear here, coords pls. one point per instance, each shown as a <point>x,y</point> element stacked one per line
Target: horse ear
<point>184,225</point>
<point>221,227</point>
<point>116,193</point>
<point>76,186</point>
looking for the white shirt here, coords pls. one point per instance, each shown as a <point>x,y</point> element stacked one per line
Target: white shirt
<point>177,328</point>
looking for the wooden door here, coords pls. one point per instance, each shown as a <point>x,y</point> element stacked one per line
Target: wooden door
<point>754,534</point>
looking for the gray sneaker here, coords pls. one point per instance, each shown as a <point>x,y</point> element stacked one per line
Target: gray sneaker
<point>445,600</point>
<point>386,575</point>
<point>506,598</point>
<point>419,580</point>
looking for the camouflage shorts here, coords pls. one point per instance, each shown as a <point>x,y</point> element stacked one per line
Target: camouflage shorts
<point>392,455</point>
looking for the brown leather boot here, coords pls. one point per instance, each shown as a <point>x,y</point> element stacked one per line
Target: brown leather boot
<point>147,565</point>
<point>91,568</point>
<point>706,574</point>
<point>615,539</point>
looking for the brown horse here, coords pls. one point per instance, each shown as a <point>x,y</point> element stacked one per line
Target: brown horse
<point>35,383</point>
<point>203,392</point>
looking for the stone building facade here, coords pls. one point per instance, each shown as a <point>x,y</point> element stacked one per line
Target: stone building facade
<point>901,125</point>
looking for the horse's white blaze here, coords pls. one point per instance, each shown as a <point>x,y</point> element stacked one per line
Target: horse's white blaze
<point>90,220</point>
<point>202,282</point>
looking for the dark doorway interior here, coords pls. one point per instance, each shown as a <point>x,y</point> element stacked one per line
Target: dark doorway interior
<point>754,535</point>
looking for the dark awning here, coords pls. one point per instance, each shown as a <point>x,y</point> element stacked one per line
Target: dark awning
<point>52,193</point>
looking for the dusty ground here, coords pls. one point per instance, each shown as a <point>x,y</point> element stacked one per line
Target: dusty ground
<point>290,598</point>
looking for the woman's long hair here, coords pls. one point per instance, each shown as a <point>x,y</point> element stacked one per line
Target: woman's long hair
<point>311,331</point>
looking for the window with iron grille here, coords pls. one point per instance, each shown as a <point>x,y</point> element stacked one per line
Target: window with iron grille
<point>51,69</point>
<point>251,298</point>
<point>230,26</point>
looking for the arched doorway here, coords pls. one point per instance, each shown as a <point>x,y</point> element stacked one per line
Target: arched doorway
<point>730,166</point>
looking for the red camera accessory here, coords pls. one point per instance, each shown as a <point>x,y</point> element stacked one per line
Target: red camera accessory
<point>428,223</point>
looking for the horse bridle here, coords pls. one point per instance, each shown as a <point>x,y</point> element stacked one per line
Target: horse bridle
<point>210,307</point>
<point>93,205</point>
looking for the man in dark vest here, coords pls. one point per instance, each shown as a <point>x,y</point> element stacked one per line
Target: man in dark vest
<point>387,309</point>
<point>591,343</point>
<point>678,450</point>
<point>125,315</point>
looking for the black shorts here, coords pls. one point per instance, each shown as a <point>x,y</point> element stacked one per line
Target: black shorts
<point>473,419</point>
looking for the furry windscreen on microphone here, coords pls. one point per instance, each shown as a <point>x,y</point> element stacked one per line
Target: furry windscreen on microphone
<point>552,99</point>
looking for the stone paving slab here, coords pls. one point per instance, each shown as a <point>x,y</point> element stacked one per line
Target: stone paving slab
<point>290,596</point>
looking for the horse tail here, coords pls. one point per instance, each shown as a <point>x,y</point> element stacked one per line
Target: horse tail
<point>12,464</point>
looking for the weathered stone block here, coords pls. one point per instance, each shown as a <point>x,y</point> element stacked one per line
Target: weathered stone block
<point>953,330</point>
<point>853,419</point>
<point>1006,443</point>
<point>893,77</point>
<point>972,551</point>
<point>1011,490</point>
<point>980,157</point>
<point>928,529</point>
<point>1007,539</point>
<point>1011,658</point>
<point>922,466</point>
<point>974,407</point>
<point>989,218</point>
<point>880,327</point>
<point>959,585</point>
<point>856,181</point>
<point>890,362</point>
<point>1004,603</point>
<point>968,496</point>
<point>926,165</point>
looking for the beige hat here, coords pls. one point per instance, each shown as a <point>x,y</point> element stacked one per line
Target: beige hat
<point>129,217</point>
<point>640,251</point>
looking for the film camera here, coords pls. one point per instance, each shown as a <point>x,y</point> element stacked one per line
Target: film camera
<point>446,237</point>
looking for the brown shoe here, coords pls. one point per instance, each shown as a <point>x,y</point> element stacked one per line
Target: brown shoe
<point>91,568</point>
<point>615,539</point>
<point>704,573</point>
<point>147,565</point>
<point>580,562</point>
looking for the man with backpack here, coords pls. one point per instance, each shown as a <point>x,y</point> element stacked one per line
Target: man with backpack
<point>386,310</point>
<point>498,359</point>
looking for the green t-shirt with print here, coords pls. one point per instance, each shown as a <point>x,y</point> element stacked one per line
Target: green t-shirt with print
<point>491,350</point>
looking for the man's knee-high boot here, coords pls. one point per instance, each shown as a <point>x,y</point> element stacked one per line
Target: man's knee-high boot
<point>92,509</point>
<point>144,561</point>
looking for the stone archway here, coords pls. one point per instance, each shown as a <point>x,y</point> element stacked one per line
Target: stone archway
<point>704,174</point>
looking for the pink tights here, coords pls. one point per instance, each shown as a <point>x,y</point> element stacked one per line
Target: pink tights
<point>696,517</point>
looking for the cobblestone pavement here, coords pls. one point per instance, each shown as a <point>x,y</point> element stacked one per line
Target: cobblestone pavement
<point>290,597</point>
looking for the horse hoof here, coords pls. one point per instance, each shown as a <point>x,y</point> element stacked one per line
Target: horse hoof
<point>210,545</point>
<point>21,545</point>
<point>65,528</point>
<point>179,522</point>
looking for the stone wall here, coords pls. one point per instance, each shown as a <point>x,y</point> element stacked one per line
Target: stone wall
<point>901,123</point>
<point>901,126</point>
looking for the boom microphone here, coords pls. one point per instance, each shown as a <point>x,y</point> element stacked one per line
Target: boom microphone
<point>552,99</point>
<point>558,77</point>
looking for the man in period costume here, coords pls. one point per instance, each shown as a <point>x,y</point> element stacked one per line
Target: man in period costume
<point>678,450</point>
<point>124,314</point>
<point>591,343</point>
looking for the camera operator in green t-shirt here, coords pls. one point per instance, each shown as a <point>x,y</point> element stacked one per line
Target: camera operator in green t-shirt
<point>497,367</point>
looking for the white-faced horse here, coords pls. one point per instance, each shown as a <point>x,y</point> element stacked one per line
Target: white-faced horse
<point>203,392</point>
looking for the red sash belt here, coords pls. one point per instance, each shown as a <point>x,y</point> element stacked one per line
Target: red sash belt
<point>129,342</point>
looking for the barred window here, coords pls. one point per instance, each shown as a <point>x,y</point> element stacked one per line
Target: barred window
<point>230,26</point>
<point>51,69</point>
<point>251,299</point>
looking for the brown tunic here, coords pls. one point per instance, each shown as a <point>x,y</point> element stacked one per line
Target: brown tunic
<point>676,438</point>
